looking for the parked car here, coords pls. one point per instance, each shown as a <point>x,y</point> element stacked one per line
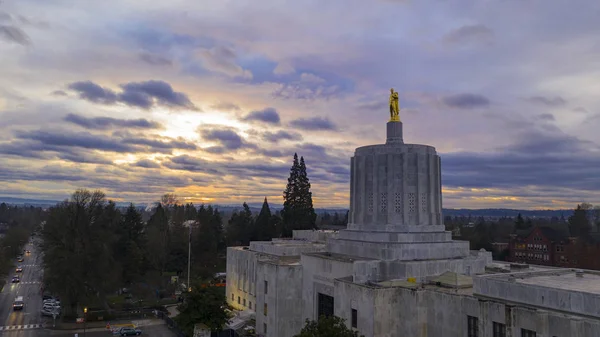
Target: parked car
<point>130,331</point>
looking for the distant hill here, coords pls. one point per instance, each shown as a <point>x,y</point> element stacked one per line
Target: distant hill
<point>486,212</point>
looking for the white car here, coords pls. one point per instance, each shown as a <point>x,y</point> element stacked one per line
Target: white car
<point>52,301</point>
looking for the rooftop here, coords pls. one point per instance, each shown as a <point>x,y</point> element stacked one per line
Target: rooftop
<point>588,283</point>
<point>339,257</point>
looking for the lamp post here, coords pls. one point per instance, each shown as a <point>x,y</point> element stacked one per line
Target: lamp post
<point>84,319</point>
<point>189,257</point>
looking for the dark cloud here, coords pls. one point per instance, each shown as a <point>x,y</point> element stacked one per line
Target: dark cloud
<point>80,139</point>
<point>156,143</point>
<point>553,160</point>
<point>4,16</point>
<point>313,124</point>
<point>14,34</point>
<point>104,123</point>
<point>147,163</point>
<point>547,101</point>
<point>374,105</point>
<point>466,101</point>
<point>225,106</point>
<point>226,137</point>
<point>136,94</point>
<point>581,109</point>
<point>470,34</point>
<point>275,137</point>
<point>155,59</point>
<point>223,60</point>
<point>92,92</point>
<point>546,117</point>
<point>46,151</point>
<point>161,91</point>
<point>266,115</point>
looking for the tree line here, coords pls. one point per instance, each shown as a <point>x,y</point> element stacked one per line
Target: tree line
<point>92,248</point>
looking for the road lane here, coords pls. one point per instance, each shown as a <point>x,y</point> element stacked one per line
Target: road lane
<point>29,288</point>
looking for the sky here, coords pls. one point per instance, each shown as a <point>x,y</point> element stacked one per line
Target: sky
<point>210,99</point>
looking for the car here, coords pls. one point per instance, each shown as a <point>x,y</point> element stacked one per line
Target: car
<point>19,269</point>
<point>20,259</point>
<point>27,251</point>
<point>16,279</point>
<point>125,331</point>
<point>18,304</point>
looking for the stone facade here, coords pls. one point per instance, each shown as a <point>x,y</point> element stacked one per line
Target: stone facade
<point>381,272</point>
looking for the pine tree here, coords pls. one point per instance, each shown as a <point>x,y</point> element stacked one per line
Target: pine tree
<point>298,211</point>
<point>579,224</point>
<point>264,226</point>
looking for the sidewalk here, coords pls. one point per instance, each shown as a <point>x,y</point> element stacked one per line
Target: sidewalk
<point>101,325</point>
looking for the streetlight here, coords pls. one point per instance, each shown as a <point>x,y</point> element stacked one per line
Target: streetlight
<point>84,319</point>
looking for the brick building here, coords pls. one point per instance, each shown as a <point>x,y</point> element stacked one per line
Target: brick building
<point>553,246</point>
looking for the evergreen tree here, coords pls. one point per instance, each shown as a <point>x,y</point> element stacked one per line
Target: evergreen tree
<point>579,224</point>
<point>240,227</point>
<point>298,211</point>
<point>264,225</point>
<point>519,223</point>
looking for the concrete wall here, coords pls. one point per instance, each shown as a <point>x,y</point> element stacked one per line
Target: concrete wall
<point>286,247</point>
<point>283,298</point>
<point>318,276</point>
<point>241,278</point>
<point>313,235</point>
<point>533,295</point>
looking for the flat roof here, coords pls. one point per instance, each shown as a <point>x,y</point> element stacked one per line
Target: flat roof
<point>589,283</point>
<point>339,257</point>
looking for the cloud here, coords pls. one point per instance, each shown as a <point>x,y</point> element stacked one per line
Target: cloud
<point>155,59</point>
<point>225,106</point>
<point>580,109</point>
<point>275,137</point>
<point>104,123</point>
<point>266,115</point>
<point>283,68</point>
<point>222,60</point>
<point>547,101</point>
<point>79,139</point>
<point>306,91</point>
<point>59,93</point>
<point>546,117</point>
<point>313,124</point>
<point>14,34</point>
<point>143,95</point>
<point>466,101</point>
<point>4,16</point>
<point>478,33</point>
<point>311,78</point>
<point>147,163</point>
<point>92,92</point>
<point>535,159</point>
<point>227,138</point>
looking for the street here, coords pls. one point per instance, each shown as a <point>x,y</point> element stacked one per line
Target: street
<point>29,320</point>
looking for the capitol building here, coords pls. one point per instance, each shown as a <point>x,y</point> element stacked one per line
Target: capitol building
<point>395,271</point>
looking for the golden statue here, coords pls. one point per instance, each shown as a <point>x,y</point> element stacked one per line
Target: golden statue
<point>394,106</point>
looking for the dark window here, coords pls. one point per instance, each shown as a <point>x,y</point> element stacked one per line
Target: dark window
<point>265,328</point>
<point>325,305</point>
<point>265,309</point>
<point>244,302</point>
<point>232,297</point>
<point>354,318</point>
<point>239,300</point>
<point>472,326</point>
<point>527,333</point>
<point>249,305</point>
<point>266,287</point>
<point>499,330</point>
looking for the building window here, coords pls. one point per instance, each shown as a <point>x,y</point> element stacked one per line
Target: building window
<point>232,297</point>
<point>560,248</point>
<point>249,304</point>
<point>266,287</point>
<point>527,333</point>
<point>325,305</point>
<point>499,330</point>
<point>244,302</point>
<point>265,328</point>
<point>239,300</point>
<point>472,326</point>
<point>354,318</point>
<point>265,309</point>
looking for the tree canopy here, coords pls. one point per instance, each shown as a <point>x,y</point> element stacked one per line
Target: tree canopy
<point>203,305</point>
<point>327,326</point>
<point>298,211</point>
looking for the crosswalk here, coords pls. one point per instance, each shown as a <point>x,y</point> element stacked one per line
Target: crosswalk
<point>30,282</point>
<point>28,265</point>
<point>20,327</point>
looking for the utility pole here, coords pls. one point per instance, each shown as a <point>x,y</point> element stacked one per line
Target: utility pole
<point>189,258</point>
